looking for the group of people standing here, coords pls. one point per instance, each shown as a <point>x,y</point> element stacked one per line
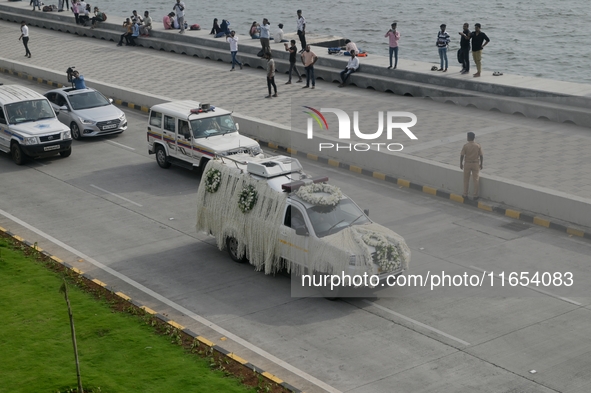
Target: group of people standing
<point>478,39</point>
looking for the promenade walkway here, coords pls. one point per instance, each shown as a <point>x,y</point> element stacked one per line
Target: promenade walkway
<point>535,153</point>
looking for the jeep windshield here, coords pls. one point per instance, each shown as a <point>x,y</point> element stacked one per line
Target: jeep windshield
<point>87,100</point>
<point>21,112</point>
<point>327,220</point>
<point>212,126</point>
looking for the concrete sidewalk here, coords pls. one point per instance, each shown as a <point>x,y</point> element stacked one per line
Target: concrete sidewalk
<point>546,156</point>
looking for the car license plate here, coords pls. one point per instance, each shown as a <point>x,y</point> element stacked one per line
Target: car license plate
<point>50,148</point>
<point>109,127</point>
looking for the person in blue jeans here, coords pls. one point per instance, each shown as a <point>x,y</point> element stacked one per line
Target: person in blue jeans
<point>442,44</point>
<point>393,36</point>
<point>135,33</point>
<point>352,66</point>
<point>309,58</point>
<point>233,40</point>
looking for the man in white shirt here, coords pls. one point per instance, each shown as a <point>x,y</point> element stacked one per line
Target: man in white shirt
<point>350,46</point>
<point>352,67</point>
<point>279,34</point>
<point>179,10</point>
<point>147,26</point>
<point>25,38</point>
<point>233,40</point>
<point>302,30</point>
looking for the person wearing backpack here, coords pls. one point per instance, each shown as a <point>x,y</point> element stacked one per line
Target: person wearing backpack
<point>98,17</point>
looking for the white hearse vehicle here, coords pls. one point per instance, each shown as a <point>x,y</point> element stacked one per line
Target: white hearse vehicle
<point>189,134</point>
<point>29,127</point>
<point>267,211</point>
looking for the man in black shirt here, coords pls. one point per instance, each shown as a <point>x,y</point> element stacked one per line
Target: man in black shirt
<point>293,49</point>
<point>478,43</point>
<point>465,49</point>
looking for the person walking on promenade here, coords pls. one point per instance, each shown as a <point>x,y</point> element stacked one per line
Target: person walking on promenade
<point>472,152</point>
<point>25,38</point>
<point>442,44</point>
<point>465,49</point>
<point>179,9</point>
<point>393,38</point>
<point>233,40</point>
<point>265,34</point>
<point>293,50</point>
<point>270,75</point>
<point>301,26</point>
<point>478,37</point>
<point>352,66</point>
<point>309,58</point>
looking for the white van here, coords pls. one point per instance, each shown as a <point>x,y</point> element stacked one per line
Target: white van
<point>267,211</point>
<point>189,133</point>
<point>29,127</point>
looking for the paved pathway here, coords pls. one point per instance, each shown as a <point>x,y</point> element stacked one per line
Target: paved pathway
<point>545,154</point>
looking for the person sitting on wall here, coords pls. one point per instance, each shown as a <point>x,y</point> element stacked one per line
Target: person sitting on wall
<point>168,21</point>
<point>215,29</point>
<point>254,31</point>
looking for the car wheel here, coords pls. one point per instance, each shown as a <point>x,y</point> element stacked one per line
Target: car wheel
<point>202,164</point>
<point>161,157</point>
<point>66,153</point>
<point>17,154</point>
<point>75,131</point>
<point>232,246</point>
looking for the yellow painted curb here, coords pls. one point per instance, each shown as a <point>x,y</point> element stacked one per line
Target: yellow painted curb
<point>99,282</point>
<point>272,377</point>
<point>332,162</point>
<point>512,213</point>
<point>456,198</point>
<point>429,190</point>
<point>541,222</point>
<point>148,310</point>
<point>403,183</point>
<point>311,156</point>
<point>176,325</point>
<point>122,295</point>
<point>485,207</point>
<point>205,341</point>
<point>379,175</point>
<point>575,232</point>
<point>237,358</point>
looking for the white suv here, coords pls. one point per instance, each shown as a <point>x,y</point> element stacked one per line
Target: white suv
<point>29,127</point>
<point>189,134</point>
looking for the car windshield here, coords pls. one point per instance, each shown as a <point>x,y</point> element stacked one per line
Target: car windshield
<point>327,220</point>
<point>21,112</point>
<point>87,100</point>
<point>220,125</point>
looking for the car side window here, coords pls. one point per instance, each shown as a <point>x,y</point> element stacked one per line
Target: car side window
<point>156,119</point>
<point>51,97</point>
<point>60,100</point>
<point>169,123</point>
<point>2,117</point>
<point>184,129</point>
<point>294,218</point>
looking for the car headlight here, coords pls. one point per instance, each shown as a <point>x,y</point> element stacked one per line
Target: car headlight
<point>30,140</point>
<point>86,121</point>
<point>122,117</point>
<point>66,135</point>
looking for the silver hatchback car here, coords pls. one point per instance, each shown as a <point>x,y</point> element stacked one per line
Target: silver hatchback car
<point>87,112</point>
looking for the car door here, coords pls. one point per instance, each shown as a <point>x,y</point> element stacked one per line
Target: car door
<point>184,141</point>
<point>4,136</point>
<point>169,134</point>
<point>64,115</point>
<point>294,236</point>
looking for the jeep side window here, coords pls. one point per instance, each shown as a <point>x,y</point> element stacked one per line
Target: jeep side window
<point>156,119</point>
<point>294,218</point>
<point>184,129</point>
<point>2,117</point>
<point>169,124</point>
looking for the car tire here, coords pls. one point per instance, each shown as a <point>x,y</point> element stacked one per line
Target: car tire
<point>161,157</point>
<point>75,131</point>
<point>66,153</point>
<point>17,154</point>
<point>202,164</point>
<point>232,246</point>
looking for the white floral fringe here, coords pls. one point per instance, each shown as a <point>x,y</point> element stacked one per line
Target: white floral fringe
<point>219,214</point>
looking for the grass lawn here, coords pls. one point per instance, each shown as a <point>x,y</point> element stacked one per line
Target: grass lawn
<point>118,353</point>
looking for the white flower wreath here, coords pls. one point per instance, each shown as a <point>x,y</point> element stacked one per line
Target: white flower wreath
<point>387,255</point>
<point>315,194</point>
<point>213,178</point>
<point>248,198</point>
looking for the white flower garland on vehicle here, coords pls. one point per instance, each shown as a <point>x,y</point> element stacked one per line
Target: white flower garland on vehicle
<point>213,177</point>
<point>387,256</point>
<point>315,194</point>
<point>248,198</point>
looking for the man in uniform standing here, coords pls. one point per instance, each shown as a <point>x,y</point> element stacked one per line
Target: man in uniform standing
<point>472,151</point>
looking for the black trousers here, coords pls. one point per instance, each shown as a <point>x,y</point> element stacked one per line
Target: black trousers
<point>465,56</point>
<point>271,82</point>
<point>26,44</point>
<point>302,35</point>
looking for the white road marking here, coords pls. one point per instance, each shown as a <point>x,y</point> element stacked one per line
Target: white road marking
<point>115,195</point>
<point>118,144</point>
<point>533,288</point>
<point>416,322</point>
<point>177,307</point>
